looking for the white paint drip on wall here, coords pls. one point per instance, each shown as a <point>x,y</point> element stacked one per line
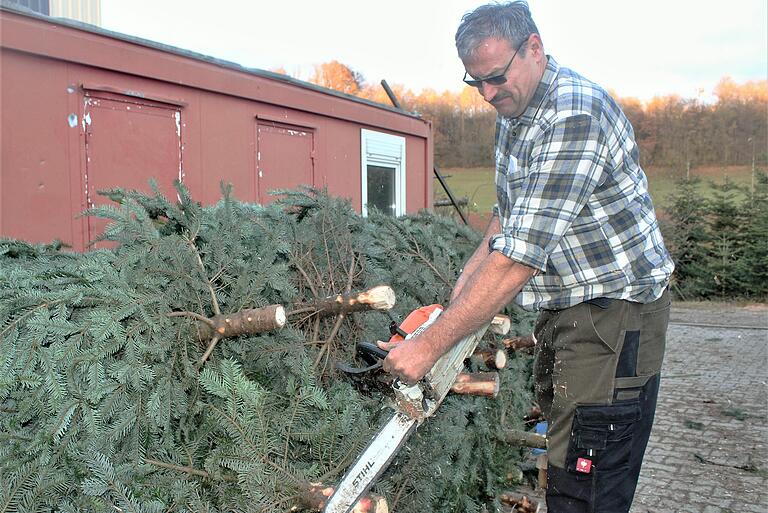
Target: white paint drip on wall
<point>86,120</point>
<point>177,118</point>
<point>88,202</point>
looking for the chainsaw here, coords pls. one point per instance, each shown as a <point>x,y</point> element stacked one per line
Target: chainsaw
<point>413,405</point>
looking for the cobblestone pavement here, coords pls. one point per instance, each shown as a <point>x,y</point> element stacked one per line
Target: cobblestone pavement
<point>709,446</point>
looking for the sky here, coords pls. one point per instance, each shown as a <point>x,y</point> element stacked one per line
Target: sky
<point>634,48</point>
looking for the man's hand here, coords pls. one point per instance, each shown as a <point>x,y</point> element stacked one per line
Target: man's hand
<point>409,360</point>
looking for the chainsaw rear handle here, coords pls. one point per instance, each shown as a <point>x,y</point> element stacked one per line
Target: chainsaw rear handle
<point>371,353</point>
<point>375,355</point>
<point>369,349</point>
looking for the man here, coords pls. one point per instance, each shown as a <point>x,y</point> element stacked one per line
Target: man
<point>575,236</point>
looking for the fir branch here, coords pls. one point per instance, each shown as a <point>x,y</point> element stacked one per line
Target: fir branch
<point>317,272</point>
<point>214,301</point>
<point>18,483</point>
<point>286,500</point>
<point>125,496</point>
<point>399,493</point>
<point>208,351</point>
<point>294,410</point>
<point>244,436</point>
<point>306,277</point>
<point>30,312</point>
<point>418,254</point>
<point>327,253</point>
<point>186,470</point>
<point>329,339</point>
<point>11,436</point>
<point>339,319</point>
<point>194,315</point>
<point>342,465</point>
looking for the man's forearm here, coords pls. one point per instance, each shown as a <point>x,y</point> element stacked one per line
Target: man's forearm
<point>493,284</point>
<point>494,227</point>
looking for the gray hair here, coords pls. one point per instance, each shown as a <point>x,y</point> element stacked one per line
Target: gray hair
<point>510,21</point>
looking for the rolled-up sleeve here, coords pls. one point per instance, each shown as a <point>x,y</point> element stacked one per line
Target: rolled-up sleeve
<point>566,165</point>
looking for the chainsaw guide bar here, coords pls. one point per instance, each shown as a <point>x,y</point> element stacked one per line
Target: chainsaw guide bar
<point>413,405</point>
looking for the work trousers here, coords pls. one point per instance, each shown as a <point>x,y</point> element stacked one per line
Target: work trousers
<point>597,375</point>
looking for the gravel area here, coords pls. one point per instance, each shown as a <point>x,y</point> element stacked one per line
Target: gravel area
<point>709,446</point>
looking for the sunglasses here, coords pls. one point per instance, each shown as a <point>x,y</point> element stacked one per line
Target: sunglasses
<point>496,79</point>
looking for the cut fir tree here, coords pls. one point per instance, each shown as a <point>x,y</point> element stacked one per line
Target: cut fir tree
<point>105,404</point>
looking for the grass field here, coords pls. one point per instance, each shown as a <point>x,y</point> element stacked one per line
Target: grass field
<point>476,184</point>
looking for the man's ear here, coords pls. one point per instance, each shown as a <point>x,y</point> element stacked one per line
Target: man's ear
<point>535,45</point>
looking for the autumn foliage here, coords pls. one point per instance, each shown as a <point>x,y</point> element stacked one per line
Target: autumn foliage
<point>335,75</point>
<point>671,131</point>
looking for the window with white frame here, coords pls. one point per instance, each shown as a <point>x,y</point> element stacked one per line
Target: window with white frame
<point>383,172</point>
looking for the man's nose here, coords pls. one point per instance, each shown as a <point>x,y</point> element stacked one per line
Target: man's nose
<point>488,91</point>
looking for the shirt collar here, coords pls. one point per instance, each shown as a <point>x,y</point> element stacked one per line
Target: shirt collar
<point>547,79</point>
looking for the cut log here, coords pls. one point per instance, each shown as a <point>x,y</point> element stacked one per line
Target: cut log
<point>500,325</point>
<point>244,322</point>
<point>520,343</point>
<point>317,494</point>
<point>542,462</point>
<point>518,502</point>
<point>481,383</point>
<point>381,297</point>
<point>524,438</point>
<point>493,358</point>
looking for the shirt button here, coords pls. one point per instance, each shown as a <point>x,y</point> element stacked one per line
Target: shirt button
<point>514,133</point>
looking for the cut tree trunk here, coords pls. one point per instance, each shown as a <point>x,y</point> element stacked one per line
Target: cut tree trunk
<point>317,494</point>
<point>381,297</point>
<point>493,358</point>
<point>244,322</point>
<point>524,438</point>
<point>526,343</point>
<point>542,462</point>
<point>518,502</point>
<point>500,325</point>
<point>480,383</point>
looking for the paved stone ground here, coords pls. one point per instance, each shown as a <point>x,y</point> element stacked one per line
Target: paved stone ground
<point>712,415</point>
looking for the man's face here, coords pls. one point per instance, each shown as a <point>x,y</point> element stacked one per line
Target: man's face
<point>490,58</point>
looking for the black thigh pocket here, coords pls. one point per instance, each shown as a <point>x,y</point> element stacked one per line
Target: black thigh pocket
<point>602,435</point>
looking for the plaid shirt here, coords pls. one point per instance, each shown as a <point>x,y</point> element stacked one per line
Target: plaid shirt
<point>573,201</point>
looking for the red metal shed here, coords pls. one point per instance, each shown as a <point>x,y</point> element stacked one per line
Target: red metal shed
<point>83,109</point>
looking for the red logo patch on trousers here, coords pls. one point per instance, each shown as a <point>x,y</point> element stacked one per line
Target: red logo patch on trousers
<point>584,465</point>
